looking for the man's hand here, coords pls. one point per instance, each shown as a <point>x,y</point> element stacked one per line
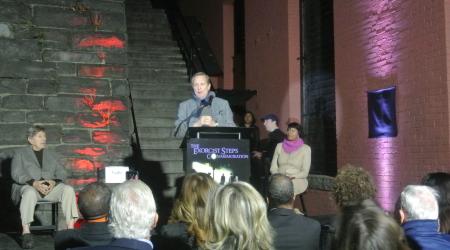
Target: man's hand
<point>257,154</point>
<point>44,186</point>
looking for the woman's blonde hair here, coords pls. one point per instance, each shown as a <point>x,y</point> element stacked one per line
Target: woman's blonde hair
<point>236,218</point>
<point>191,203</point>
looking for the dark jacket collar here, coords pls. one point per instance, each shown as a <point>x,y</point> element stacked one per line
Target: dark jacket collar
<point>282,211</point>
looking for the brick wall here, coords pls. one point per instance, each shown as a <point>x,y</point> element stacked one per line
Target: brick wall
<point>393,43</point>
<point>63,66</point>
<point>272,48</point>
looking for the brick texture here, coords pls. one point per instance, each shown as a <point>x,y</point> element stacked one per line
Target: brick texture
<point>63,66</point>
<point>380,44</point>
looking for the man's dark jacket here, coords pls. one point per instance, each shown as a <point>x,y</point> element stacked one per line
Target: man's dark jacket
<point>424,235</point>
<point>294,231</point>
<point>90,234</point>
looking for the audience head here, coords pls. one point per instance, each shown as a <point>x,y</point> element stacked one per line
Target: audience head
<point>270,122</point>
<point>36,137</point>
<point>441,182</point>
<point>133,210</point>
<point>201,84</point>
<point>418,203</point>
<point>353,185</point>
<point>191,203</point>
<point>93,201</point>
<point>294,131</point>
<point>281,191</point>
<point>365,226</point>
<point>236,218</point>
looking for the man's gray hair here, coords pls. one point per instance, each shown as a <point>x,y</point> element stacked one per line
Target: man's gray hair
<point>133,210</point>
<point>281,190</point>
<point>419,203</point>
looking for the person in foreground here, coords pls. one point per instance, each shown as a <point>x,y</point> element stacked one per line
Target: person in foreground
<point>440,181</point>
<point>183,230</point>
<point>292,157</point>
<point>203,109</point>
<point>366,226</point>
<point>236,219</point>
<point>93,203</point>
<point>132,217</point>
<point>293,230</point>
<point>37,175</point>
<point>419,213</point>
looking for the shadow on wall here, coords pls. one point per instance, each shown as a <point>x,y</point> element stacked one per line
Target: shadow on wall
<point>9,213</point>
<point>150,172</point>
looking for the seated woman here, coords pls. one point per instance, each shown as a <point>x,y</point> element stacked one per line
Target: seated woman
<point>183,231</point>
<point>292,158</point>
<point>365,226</point>
<point>37,175</point>
<point>236,218</point>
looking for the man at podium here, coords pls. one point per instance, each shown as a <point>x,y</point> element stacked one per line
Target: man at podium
<point>203,109</point>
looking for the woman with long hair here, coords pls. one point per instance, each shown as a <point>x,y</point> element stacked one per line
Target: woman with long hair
<point>183,231</point>
<point>236,219</point>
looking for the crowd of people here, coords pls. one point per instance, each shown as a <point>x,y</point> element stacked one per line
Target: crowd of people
<point>258,215</point>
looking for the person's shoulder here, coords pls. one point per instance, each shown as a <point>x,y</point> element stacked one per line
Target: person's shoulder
<point>220,100</point>
<point>187,102</point>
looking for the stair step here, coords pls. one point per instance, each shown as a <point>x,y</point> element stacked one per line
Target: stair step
<point>157,122</point>
<point>151,44</point>
<point>179,95</point>
<point>154,113</point>
<point>160,53</point>
<point>161,87</point>
<point>149,132</point>
<point>171,62</point>
<point>172,167</point>
<point>143,106</point>
<point>166,143</point>
<point>162,154</point>
<point>134,73</point>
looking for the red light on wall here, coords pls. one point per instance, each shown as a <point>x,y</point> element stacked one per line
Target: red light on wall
<point>102,112</point>
<point>98,71</point>
<point>106,137</point>
<point>90,151</point>
<point>83,165</point>
<point>105,42</point>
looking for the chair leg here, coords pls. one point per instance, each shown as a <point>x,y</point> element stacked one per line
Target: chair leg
<point>303,205</point>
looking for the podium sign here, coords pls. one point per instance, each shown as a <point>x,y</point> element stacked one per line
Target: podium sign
<point>226,160</point>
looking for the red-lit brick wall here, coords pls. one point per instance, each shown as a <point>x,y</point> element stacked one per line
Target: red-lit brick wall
<point>393,43</point>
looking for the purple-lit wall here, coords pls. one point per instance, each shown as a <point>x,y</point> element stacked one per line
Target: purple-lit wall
<point>393,43</point>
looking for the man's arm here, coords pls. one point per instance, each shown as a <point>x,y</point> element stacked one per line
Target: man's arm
<point>183,119</point>
<point>18,173</point>
<point>224,116</point>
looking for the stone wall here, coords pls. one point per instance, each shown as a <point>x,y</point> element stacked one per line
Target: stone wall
<point>63,66</point>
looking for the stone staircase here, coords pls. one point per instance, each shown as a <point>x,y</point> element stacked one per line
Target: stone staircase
<point>158,81</point>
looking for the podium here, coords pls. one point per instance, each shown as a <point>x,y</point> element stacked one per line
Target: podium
<point>222,152</point>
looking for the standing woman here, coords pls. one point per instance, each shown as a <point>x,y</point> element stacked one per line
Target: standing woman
<point>292,158</point>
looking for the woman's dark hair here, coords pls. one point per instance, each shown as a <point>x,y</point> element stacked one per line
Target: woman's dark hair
<point>297,126</point>
<point>366,226</point>
<point>253,118</point>
<point>440,181</point>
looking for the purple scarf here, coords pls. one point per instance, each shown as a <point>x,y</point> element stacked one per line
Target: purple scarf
<point>291,146</point>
